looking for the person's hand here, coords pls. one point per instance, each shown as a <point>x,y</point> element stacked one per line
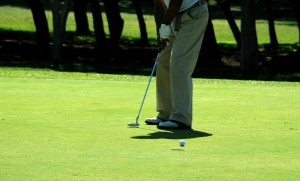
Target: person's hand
<point>162,43</point>
<point>163,37</point>
<point>165,31</point>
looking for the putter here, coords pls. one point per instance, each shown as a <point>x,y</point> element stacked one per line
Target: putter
<point>136,124</point>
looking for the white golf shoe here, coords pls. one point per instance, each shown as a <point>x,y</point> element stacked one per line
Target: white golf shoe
<point>154,121</point>
<point>172,124</point>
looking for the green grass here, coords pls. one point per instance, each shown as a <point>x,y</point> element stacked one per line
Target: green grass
<point>20,19</point>
<point>224,34</point>
<point>73,126</point>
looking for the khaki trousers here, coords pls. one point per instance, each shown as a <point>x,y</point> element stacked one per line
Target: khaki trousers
<point>176,63</point>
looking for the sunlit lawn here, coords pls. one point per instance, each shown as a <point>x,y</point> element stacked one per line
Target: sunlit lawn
<point>73,126</point>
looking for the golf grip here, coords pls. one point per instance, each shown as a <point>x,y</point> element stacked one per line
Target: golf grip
<point>153,69</point>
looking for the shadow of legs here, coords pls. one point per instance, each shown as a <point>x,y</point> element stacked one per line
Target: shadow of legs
<point>174,134</point>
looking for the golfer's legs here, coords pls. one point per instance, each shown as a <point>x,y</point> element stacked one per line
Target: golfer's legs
<point>184,57</point>
<point>163,87</point>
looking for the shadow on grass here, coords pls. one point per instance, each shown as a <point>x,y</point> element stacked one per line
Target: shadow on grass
<point>18,49</point>
<point>174,134</point>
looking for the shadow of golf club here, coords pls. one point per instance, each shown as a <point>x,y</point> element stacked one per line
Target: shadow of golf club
<point>174,134</point>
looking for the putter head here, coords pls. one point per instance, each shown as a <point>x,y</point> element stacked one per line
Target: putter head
<point>133,124</point>
<point>136,124</point>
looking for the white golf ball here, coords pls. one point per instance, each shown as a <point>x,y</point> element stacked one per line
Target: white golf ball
<point>181,142</point>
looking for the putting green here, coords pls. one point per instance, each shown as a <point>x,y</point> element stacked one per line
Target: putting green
<point>73,126</point>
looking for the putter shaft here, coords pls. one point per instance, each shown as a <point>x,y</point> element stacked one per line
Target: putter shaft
<point>138,116</point>
<point>153,69</point>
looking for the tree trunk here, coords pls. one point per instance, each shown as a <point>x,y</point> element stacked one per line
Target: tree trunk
<point>143,30</point>
<point>82,25</point>
<point>272,31</point>
<point>210,55</point>
<point>101,40</point>
<point>115,22</point>
<point>249,47</point>
<point>296,8</point>
<point>59,27</point>
<point>225,6</point>
<point>41,24</point>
